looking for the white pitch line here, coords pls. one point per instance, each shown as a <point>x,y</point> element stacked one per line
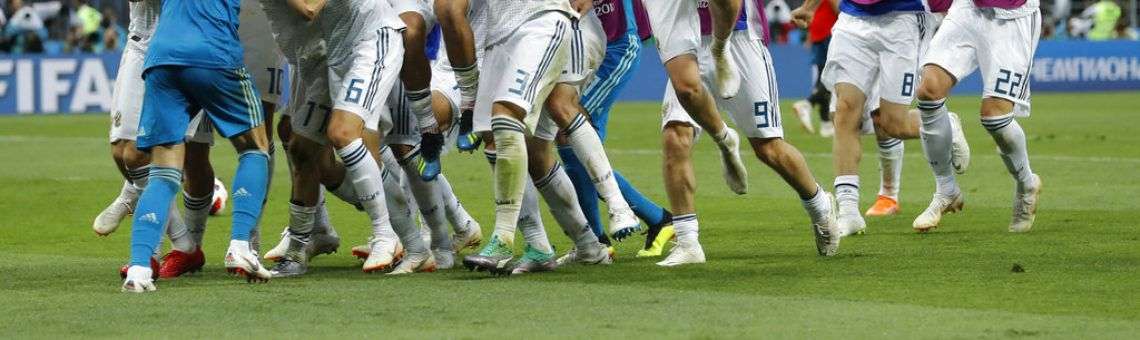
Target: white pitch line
<point>1053,158</point>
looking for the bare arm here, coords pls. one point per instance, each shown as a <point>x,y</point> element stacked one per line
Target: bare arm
<point>582,5</point>
<point>460,40</point>
<point>802,16</point>
<point>308,8</point>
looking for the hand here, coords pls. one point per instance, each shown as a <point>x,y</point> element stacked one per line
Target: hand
<point>802,16</point>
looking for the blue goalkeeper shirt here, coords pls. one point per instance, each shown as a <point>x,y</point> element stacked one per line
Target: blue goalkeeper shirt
<point>196,33</point>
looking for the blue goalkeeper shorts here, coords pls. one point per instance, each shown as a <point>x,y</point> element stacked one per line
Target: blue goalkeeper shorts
<point>622,57</point>
<point>174,94</point>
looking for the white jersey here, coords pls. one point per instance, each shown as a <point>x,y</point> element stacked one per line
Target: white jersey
<point>504,16</point>
<point>291,31</point>
<point>1030,7</point>
<point>343,23</point>
<point>144,19</point>
<point>478,21</point>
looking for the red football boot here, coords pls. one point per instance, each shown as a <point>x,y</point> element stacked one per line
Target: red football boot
<point>176,263</point>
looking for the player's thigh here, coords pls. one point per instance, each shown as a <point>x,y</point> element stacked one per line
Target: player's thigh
<point>756,109</point>
<point>127,99</point>
<point>953,50</point>
<point>361,86</point>
<point>1006,61</point>
<point>676,27</point>
<point>166,109</point>
<point>538,50</point>
<point>229,98</point>
<point>853,55</point>
<point>674,114</point>
<point>902,38</point>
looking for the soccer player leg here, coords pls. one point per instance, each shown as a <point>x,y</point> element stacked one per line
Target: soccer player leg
<point>416,75</point>
<point>851,72</point>
<point>134,164</point>
<point>417,257</point>
<point>404,141</point>
<point>679,133</point>
<point>229,99</point>
<point>558,192</point>
<point>162,124</point>
<point>357,90</point>
<point>1005,56</point>
<point>676,26</point>
<point>756,112</point>
<point>532,58</point>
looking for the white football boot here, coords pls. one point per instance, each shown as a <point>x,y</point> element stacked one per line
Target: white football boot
<point>1025,205</point>
<point>940,204</point>
<point>959,148</point>
<point>470,239</point>
<point>319,244</point>
<point>599,254</point>
<point>850,221</point>
<point>383,254</point>
<point>623,223</point>
<point>242,260</point>
<point>139,280</point>
<point>803,112</point>
<point>826,231</point>
<point>414,263</point>
<point>727,72</point>
<point>735,174</point>
<point>108,220</point>
<point>684,252</point>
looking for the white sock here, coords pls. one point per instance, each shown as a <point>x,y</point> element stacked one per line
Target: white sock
<point>588,147</point>
<point>467,78</point>
<point>403,223</point>
<point>530,221</point>
<point>138,178</point>
<point>510,175</point>
<point>560,197</point>
<point>429,201</point>
<point>197,210</point>
<point>346,192</point>
<point>420,102</point>
<point>847,190</point>
<point>685,225</point>
<point>128,193</point>
<point>322,224</point>
<point>890,167</point>
<point>458,217</point>
<point>176,230</point>
<point>365,176</point>
<point>818,207</point>
<point>302,220</point>
<point>1010,139</point>
<point>722,137</point>
<point>937,137</point>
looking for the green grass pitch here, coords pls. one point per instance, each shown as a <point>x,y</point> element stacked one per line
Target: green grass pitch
<point>763,279</point>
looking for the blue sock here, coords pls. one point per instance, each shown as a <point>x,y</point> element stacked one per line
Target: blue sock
<point>249,188</point>
<point>584,186</point>
<point>151,213</point>
<point>644,208</point>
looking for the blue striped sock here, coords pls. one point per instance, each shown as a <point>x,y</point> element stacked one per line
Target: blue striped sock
<point>151,213</point>
<point>249,189</point>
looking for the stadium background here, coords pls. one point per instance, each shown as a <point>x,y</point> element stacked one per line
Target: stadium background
<point>68,65</point>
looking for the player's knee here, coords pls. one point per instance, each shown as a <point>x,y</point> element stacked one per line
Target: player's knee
<point>935,84</point>
<point>767,149</point>
<point>688,92</point>
<point>341,136</point>
<point>415,29</point>
<point>993,107</point>
<point>132,157</point>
